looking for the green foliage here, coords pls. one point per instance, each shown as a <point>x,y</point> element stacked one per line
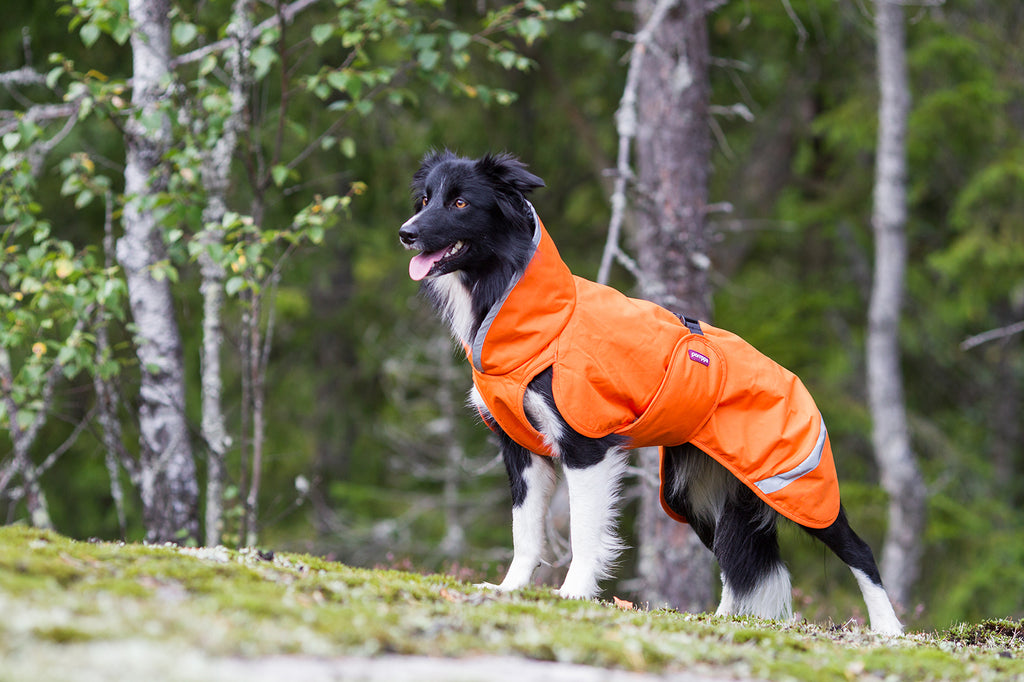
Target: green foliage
<point>51,294</point>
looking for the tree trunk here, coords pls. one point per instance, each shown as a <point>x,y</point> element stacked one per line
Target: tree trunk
<point>216,171</point>
<point>168,485</point>
<point>673,157</point>
<point>107,397</point>
<point>899,473</point>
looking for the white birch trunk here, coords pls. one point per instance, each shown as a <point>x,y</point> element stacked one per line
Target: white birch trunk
<point>216,171</point>
<point>900,476</point>
<point>168,485</point>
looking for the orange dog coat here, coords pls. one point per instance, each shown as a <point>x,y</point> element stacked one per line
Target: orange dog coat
<point>630,367</point>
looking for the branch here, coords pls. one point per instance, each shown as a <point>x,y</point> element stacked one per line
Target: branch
<point>801,31</point>
<point>52,458</point>
<point>625,124</point>
<point>992,335</point>
<point>286,15</point>
<point>26,75</point>
<point>40,112</point>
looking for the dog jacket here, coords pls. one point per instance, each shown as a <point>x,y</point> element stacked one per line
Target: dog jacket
<point>630,367</point>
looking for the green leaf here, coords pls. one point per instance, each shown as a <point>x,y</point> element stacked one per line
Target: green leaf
<point>83,199</point>
<point>122,32</point>
<point>184,33</point>
<point>53,75</point>
<point>280,174</point>
<point>344,81</point>
<point>90,33</point>
<point>530,29</point>
<point>321,33</point>
<point>458,40</point>
<point>428,58</point>
<point>11,140</point>
<point>262,58</point>
<point>348,148</point>
<point>506,58</point>
<point>207,64</point>
<point>234,285</point>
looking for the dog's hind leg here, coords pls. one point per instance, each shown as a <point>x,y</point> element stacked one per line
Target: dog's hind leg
<point>856,553</point>
<point>755,582</point>
<point>532,479</point>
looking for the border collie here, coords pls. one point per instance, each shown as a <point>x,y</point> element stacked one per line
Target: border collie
<point>567,369</point>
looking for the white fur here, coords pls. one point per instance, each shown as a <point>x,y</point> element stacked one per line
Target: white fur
<point>708,486</point>
<point>880,611</point>
<point>528,524</point>
<point>771,598</point>
<point>593,512</point>
<point>458,304</point>
<point>544,419</point>
<point>477,401</point>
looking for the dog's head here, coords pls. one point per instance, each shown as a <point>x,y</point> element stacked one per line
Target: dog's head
<point>469,215</point>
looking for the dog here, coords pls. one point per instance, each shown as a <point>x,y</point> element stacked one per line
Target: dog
<point>567,369</point>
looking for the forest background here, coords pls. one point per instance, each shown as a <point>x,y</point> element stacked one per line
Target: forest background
<point>344,427</point>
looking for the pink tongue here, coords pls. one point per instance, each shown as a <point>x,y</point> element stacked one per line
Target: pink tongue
<point>420,264</point>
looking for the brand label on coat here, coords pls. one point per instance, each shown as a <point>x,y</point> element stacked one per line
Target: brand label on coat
<point>700,357</point>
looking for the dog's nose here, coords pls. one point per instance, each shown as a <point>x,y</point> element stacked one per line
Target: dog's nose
<point>408,234</point>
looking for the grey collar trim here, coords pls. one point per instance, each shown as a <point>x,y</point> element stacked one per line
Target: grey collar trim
<point>485,325</point>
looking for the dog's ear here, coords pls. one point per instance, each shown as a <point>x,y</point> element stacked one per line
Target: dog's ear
<point>506,169</point>
<point>430,160</point>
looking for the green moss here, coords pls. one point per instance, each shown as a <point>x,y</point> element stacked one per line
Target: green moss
<point>230,603</point>
<point>63,634</point>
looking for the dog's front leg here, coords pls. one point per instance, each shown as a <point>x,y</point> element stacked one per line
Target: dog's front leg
<point>532,478</point>
<point>593,512</point>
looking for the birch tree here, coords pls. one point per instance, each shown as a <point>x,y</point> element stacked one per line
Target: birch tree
<point>900,476</point>
<point>169,487</point>
<point>215,171</point>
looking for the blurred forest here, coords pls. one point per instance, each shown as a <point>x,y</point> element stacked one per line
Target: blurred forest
<point>343,378</point>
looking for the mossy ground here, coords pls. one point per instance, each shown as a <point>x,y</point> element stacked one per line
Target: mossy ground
<point>55,592</point>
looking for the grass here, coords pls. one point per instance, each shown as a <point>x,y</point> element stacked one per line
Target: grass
<point>57,594</point>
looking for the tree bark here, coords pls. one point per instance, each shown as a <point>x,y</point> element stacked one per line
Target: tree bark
<point>107,397</point>
<point>168,485</point>
<point>900,476</point>
<point>673,150</point>
<point>21,440</point>
<point>216,170</point>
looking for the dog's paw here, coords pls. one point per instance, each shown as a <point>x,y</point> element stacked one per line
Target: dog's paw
<point>571,593</point>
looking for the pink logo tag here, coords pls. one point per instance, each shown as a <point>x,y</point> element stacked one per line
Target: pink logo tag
<point>700,357</point>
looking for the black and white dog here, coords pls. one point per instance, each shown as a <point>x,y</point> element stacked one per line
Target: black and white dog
<point>476,235</point>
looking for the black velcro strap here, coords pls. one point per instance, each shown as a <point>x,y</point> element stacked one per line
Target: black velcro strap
<point>691,324</point>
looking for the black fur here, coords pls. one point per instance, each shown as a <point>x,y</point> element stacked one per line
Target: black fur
<point>578,451</point>
<point>496,224</point>
<point>517,459</point>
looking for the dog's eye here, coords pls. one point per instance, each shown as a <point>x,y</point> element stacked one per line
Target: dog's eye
<point>423,200</point>
<point>460,203</point>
